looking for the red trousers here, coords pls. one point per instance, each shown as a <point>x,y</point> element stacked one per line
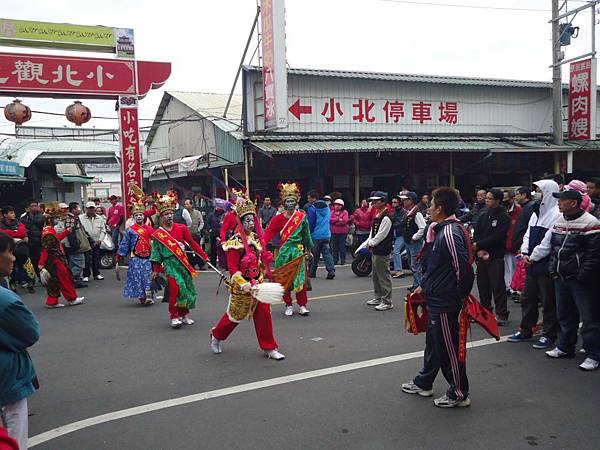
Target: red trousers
<point>262,325</point>
<point>175,311</point>
<point>62,285</point>
<point>301,298</point>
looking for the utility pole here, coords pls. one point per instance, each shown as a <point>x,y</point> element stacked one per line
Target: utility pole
<point>556,78</point>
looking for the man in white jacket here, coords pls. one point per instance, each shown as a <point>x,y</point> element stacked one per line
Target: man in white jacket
<point>95,226</point>
<point>538,282</point>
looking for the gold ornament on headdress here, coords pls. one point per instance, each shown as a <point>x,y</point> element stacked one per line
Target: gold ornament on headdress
<point>243,205</point>
<point>289,190</point>
<point>165,202</point>
<point>52,209</point>
<point>138,198</point>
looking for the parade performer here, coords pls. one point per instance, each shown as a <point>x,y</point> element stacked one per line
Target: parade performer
<point>247,261</point>
<point>54,272</point>
<point>168,254</point>
<point>292,226</point>
<point>137,244</point>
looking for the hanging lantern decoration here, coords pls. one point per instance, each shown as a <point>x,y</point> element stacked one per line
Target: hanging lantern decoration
<point>17,112</point>
<point>78,113</point>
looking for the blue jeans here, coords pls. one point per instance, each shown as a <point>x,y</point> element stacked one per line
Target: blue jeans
<point>575,301</point>
<point>398,248</point>
<point>338,242</point>
<point>76,265</point>
<point>413,249</point>
<point>321,246</point>
<point>116,234</point>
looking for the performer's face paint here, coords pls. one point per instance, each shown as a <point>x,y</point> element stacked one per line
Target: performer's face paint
<point>290,204</point>
<point>167,217</point>
<point>248,222</point>
<point>139,218</point>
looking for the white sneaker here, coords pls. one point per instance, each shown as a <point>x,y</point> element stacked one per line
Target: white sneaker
<point>411,388</point>
<point>374,302</point>
<point>77,301</point>
<point>215,345</point>
<point>176,322</point>
<point>274,354</point>
<point>58,305</point>
<point>289,311</point>
<point>384,306</point>
<point>85,279</point>
<point>447,402</point>
<point>304,311</point>
<point>589,364</point>
<point>557,353</point>
<point>98,277</point>
<point>187,321</point>
<point>148,302</point>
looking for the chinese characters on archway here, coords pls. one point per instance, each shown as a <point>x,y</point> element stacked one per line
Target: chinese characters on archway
<point>366,111</point>
<point>582,100</point>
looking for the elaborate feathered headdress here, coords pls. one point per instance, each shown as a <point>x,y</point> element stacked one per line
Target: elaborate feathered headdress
<point>52,209</point>
<point>138,198</point>
<point>243,205</point>
<point>289,190</point>
<point>165,202</point>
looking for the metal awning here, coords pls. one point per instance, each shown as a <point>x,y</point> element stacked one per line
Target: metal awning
<point>75,178</point>
<point>12,179</point>
<point>485,144</point>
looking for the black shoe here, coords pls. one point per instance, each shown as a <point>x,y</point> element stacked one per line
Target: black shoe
<point>312,275</point>
<point>81,285</point>
<point>330,275</point>
<point>30,290</point>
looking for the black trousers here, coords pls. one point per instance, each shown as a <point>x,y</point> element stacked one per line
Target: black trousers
<point>538,289</point>
<point>92,261</point>
<point>441,352</point>
<point>35,252</point>
<point>490,281</point>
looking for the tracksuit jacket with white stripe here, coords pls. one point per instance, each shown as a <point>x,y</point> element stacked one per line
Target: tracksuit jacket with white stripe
<point>448,275</point>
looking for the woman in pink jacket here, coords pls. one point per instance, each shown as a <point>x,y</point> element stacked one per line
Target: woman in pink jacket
<point>362,220</point>
<point>339,230</point>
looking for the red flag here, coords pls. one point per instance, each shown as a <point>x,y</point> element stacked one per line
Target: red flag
<point>483,317</point>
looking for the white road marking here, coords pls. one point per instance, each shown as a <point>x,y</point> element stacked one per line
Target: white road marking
<point>150,407</point>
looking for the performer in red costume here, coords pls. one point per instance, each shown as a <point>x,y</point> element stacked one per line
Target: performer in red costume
<point>54,271</point>
<point>246,261</point>
<point>168,253</point>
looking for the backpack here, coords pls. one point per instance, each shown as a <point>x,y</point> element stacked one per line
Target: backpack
<point>467,274</point>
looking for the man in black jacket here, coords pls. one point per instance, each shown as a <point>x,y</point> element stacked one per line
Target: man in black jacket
<point>33,220</point>
<point>477,210</point>
<point>490,241</point>
<point>523,198</point>
<point>447,281</point>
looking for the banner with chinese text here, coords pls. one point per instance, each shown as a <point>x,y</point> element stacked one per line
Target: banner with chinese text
<point>582,100</point>
<point>131,158</point>
<point>274,71</point>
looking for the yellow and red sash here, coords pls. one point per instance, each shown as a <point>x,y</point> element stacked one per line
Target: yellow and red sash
<point>291,226</point>
<point>173,246</point>
<point>140,231</point>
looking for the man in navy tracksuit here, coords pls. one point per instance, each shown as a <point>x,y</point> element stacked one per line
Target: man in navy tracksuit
<point>447,281</point>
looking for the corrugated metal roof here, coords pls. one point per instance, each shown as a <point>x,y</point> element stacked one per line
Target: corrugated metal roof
<point>24,151</point>
<point>208,105</point>
<point>410,143</point>
<point>418,78</point>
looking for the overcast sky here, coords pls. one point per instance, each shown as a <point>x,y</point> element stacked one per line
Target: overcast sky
<point>204,40</point>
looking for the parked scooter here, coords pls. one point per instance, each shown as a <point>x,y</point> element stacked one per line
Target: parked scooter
<point>362,264</point>
<point>108,252</point>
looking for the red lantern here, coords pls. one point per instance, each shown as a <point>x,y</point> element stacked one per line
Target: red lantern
<point>17,112</point>
<point>78,113</point>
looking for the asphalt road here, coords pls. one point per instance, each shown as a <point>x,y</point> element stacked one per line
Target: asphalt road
<point>110,354</point>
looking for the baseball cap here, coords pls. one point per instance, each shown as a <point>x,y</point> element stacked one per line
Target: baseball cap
<point>327,197</point>
<point>339,201</point>
<point>568,194</point>
<point>90,205</point>
<point>63,205</point>
<point>378,195</point>
<point>410,196</point>
<point>113,197</point>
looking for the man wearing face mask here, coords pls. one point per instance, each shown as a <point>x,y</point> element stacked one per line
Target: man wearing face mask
<point>136,244</point>
<point>247,260</point>
<point>168,254</point>
<point>293,227</point>
<point>538,282</point>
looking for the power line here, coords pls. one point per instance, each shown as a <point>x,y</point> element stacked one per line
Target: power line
<point>454,5</point>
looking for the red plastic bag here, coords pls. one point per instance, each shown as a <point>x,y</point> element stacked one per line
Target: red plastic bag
<point>518,279</point>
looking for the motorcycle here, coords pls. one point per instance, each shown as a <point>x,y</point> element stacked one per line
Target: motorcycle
<point>362,264</point>
<point>108,252</point>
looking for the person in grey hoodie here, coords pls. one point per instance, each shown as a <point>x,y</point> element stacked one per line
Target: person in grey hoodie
<point>319,216</point>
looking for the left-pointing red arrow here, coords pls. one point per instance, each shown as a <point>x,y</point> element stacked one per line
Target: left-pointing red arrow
<point>297,109</point>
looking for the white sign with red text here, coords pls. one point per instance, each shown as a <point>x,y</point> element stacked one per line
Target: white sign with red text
<point>582,100</point>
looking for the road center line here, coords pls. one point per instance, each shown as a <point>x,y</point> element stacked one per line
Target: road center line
<point>150,407</point>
